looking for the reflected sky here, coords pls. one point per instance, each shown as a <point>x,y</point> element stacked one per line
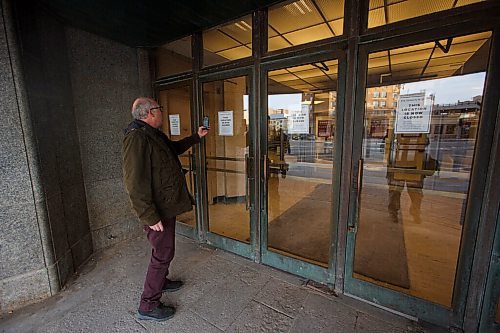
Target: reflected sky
<point>449,90</point>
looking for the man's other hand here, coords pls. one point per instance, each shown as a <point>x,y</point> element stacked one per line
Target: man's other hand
<point>202,131</point>
<point>157,227</point>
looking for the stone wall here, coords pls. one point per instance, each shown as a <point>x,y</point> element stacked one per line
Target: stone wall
<point>106,78</point>
<point>65,96</point>
<point>27,267</point>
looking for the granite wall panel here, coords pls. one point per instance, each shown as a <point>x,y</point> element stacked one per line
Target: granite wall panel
<point>115,233</point>
<point>50,98</point>
<point>20,245</point>
<point>75,207</point>
<point>105,82</point>
<point>23,289</point>
<point>81,249</point>
<point>41,179</point>
<point>65,100</point>
<point>108,203</point>
<point>58,227</point>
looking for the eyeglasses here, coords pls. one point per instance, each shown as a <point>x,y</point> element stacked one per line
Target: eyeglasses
<point>157,108</point>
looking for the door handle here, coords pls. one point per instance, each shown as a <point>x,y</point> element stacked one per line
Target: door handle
<point>191,169</point>
<point>266,167</point>
<point>360,177</point>
<point>357,179</point>
<point>247,182</point>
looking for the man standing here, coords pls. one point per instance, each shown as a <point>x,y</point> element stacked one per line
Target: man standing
<point>157,188</point>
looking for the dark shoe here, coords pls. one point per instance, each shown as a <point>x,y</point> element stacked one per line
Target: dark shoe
<point>160,313</point>
<point>170,286</point>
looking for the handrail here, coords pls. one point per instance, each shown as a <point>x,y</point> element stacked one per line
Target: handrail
<point>219,158</point>
<point>226,170</point>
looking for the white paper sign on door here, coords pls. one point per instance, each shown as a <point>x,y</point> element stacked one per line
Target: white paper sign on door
<point>413,114</point>
<point>298,121</point>
<point>175,124</point>
<point>226,123</point>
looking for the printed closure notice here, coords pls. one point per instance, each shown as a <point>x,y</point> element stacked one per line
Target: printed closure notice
<point>175,124</point>
<point>226,123</point>
<point>413,114</point>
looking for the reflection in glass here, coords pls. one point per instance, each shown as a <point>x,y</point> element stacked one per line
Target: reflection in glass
<point>389,11</point>
<point>176,104</point>
<point>417,158</point>
<point>304,21</point>
<point>226,102</point>
<point>228,42</point>
<point>174,58</point>
<point>301,135</point>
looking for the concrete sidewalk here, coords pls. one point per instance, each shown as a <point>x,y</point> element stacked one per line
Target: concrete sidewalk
<point>222,293</point>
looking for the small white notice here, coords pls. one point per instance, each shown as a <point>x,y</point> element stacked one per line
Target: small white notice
<point>298,120</point>
<point>226,123</point>
<point>413,114</point>
<point>175,124</point>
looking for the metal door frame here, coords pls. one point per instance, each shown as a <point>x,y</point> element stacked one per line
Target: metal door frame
<point>384,297</point>
<point>225,243</point>
<point>281,261</point>
<point>492,293</point>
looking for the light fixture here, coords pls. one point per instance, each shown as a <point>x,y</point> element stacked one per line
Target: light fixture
<point>240,26</point>
<point>296,4</point>
<point>246,25</point>
<point>306,6</point>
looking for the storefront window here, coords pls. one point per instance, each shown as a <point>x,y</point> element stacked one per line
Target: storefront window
<point>228,42</point>
<point>174,58</point>
<point>304,21</point>
<point>301,136</point>
<point>227,151</point>
<point>389,11</point>
<point>417,162</point>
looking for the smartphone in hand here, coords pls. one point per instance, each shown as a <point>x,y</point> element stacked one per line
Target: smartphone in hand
<point>206,122</point>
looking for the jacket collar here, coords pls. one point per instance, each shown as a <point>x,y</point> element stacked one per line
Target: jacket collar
<point>155,134</point>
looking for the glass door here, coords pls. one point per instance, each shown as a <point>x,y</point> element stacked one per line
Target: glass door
<point>416,139</point>
<point>177,124</point>
<point>300,160</point>
<point>228,156</point>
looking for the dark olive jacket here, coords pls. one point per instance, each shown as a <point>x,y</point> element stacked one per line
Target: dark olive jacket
<point>153,174</point>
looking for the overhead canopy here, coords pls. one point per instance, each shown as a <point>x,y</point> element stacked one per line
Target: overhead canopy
<point>149,23</point>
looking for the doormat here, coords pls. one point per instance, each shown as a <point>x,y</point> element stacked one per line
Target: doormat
<point>380,251</point>
<point>304,228</point>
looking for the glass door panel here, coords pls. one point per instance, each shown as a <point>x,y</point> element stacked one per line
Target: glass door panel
<point>176,104</point>
<point>300,148</point>
<point>227,148</point>
<point>419,133</point>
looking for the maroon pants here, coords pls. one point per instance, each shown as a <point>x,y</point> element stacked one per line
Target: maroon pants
<point>163,244</point>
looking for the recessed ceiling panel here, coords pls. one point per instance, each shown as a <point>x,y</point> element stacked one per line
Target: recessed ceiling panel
<point>227,42</point>
<point>306,35</point>
<point>317,76</point>
<point>441,58</point>
<point>174,58</point>
<point>305,21</point>
<point>382,13</point>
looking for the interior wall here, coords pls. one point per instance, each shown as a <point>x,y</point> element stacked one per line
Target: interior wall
<point>106,77</point>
